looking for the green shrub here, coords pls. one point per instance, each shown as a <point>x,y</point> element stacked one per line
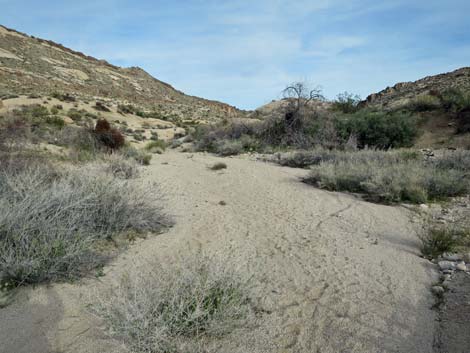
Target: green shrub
<point>126,109</point>
<point>436,241</point>
<point>171,307</point>
<point>424,103</point>
<point>75,115</point>
<point>455,100</point>
<point>346,103</point>
<point>156,146</point>
<point>378,129</point>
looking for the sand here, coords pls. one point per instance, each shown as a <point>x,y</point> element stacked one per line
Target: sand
<point>331,273</point>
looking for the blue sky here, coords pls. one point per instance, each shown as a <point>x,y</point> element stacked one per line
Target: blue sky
<point>245,52</point>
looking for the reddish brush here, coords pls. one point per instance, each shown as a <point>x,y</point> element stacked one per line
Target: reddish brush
<point>108,136</point>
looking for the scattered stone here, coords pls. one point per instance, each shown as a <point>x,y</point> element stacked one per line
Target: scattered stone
<point>461,266</point>
<point>448,272</point>
<point>438,290</point>
<point>446,265</point>
<point>451,257</point>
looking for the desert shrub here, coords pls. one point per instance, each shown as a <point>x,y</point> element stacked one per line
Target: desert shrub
<point>49,219</point>
<point>378,129</point>
<point>157,146</point>
<point>120,166</point>
<point>391,179</point>
<point>455,100</point>
<point>229,147</point>
<point>169,307</point>
<point>139,156</point>
<point>424,103</point>
<point>75,115</point>
<point>54,111</point>
<point>438,240</point>
<point>64,97</point>
<point>218,166</point>
<point>176,143</point>
<point>458,160</point>
<point>126,109</point>
<point>108,136</point>
<point>101,107</point>
<point>303,159</point>
<point>346,103</point>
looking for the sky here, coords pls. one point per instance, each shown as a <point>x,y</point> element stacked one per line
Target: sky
<point>246,52</point>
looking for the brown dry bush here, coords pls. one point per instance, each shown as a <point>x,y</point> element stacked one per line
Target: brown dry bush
<point>108,136</point>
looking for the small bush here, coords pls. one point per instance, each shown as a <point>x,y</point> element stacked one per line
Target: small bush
<point>108,136</point>
<point>101,107</point>
<point>139,156</point>
<point>424,103</point>
<point>63,97</point>
<point>218,166</point>
<point>120,166</point>
<point>455,100</point>
<point>346,103</point>
<point>170,307</point>
<point>126,109</point>
<point>437,241</point>
<point>75,115</point>
<point>157,146</point>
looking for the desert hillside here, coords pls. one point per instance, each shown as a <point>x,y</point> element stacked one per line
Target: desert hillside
<point>33,66</point>
<point>137,219</point>
<point>403,92</point>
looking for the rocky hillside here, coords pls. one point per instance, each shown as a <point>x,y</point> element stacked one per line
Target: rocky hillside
<point>32,66</point>
<point>401,93</point>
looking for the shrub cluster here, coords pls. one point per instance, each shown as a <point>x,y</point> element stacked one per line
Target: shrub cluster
<point>378,129</point>
<point>171,308</point>
<point>50,219</point>
<point>394,179</point>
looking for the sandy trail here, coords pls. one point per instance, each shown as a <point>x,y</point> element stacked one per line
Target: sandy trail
<point>331,273</point>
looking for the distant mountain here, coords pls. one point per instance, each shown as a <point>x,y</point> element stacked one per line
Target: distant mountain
<point>33,66</point>
<point>399,94</point>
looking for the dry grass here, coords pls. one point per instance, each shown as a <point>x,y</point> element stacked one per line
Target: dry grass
<point>49,219</point>
<point>173,307</point>
<point>389,177</point>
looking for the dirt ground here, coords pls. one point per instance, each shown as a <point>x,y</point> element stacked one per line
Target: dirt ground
<point>331,273</point>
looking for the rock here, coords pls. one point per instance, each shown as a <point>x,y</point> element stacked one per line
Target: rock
<point>446,283</point>
<point>438,290</point>
<point>424,206</point>
<point>461,266</point>
<point>446,265</point>
<point>466,257</point>
<point>451,257</point>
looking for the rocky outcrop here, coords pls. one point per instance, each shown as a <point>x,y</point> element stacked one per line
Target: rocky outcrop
<point>391,97</point>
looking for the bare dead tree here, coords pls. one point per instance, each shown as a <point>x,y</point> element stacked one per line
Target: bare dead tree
<point>299,96</point>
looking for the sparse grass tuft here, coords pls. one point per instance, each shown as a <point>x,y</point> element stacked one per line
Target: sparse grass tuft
<point>437,241</point>
<point>171,306</point>
<point>218,166</point>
